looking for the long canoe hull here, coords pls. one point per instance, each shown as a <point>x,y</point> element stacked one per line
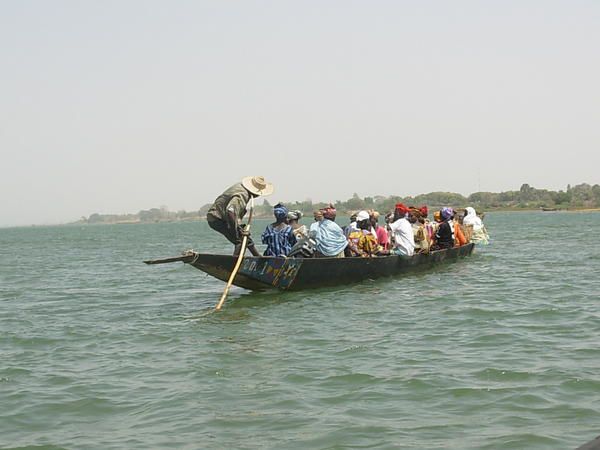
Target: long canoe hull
<point>261,273</point>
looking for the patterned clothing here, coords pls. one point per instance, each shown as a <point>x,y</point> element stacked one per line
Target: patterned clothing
<point>279,241</point>
<point>480,236</point>
<point>362,243</point>
<point>421,236</point>
<point>300,232</point>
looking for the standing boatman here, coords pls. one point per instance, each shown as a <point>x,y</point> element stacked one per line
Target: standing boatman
<point>229,208</point>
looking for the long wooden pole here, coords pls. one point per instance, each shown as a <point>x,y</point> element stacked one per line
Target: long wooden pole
<point>239,260</point>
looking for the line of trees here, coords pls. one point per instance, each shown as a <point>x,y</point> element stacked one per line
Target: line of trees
<point>581,196</point>
<point>152,215</point>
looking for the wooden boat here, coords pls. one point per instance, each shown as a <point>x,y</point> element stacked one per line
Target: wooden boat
<point>267,272</point>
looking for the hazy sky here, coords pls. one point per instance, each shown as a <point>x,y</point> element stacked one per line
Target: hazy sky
<point>117,106</point>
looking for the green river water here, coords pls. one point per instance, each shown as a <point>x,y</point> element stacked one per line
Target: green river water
<point>498,351</point>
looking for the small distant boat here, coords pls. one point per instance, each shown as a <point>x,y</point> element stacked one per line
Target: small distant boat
<point>259,273</point>
<point>548,209</point>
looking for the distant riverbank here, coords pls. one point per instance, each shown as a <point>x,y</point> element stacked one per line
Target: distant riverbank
<point>268,215</point>
<point>583,197</point>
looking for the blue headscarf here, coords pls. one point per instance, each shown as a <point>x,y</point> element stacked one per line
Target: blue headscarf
<point>280,212</point>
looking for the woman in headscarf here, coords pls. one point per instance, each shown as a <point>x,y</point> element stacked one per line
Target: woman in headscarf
<point>278,236</point>
<point>459,236</point>
<point>362,242</point>
<point>444,236</point>
<point>474,224</point>
<point>329,237</point>
<point>351,226</point>
<point>300,231</point>
<point>381,233</point>
<point>389,219</point>
<point>404,238</point>
<point>421,229</point>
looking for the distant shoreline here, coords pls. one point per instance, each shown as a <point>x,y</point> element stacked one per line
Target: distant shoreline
<point>262,216</point>
<point>580,198</point>
<point>583,197</point>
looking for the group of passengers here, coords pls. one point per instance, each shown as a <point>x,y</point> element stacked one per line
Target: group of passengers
<point>406,231</point>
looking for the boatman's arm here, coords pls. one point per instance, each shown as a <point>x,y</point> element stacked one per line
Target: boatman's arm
<point>235,209</point>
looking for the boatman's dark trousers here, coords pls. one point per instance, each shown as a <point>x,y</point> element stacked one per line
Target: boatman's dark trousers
<point>222,227</point>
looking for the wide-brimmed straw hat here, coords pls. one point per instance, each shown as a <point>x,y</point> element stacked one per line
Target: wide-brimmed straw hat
<point>257,185</point>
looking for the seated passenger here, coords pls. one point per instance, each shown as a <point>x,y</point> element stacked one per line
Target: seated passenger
<point>404,239</point>
<point>383,240</point>
<point>476,229</point>
<point>318,216</point>
<point>389,219</point>
<point>352,226</point>
<point>435,224</point>
<point>459,236</point>
<point>444,236</point>
<point>329,237</point>
<point>300,231</point>
<point>278,236</point>
<point>421,229</point>
<point>428,226</point>
<point>362,242</point>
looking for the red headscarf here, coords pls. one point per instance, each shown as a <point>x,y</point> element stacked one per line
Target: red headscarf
<point>421,211</point>
<point>402,208</point>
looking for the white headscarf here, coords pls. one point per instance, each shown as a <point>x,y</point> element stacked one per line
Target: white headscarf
<point>471,218</point>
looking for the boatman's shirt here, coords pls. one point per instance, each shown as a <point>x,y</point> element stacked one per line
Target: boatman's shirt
<point>233,199</point>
